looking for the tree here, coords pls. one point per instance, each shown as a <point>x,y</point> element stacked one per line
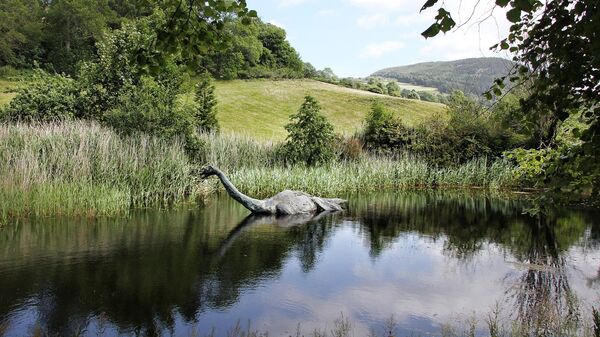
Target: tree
<point>72,29</point>
<point>310,135</point>
<point>393,89</point>
<point>20,32</point>
<point>384,131</point>
<point>206,102</point>
<point>556,46</point>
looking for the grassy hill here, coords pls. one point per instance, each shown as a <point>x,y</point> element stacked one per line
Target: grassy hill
<point>261,108</point>
<point>474,75</point>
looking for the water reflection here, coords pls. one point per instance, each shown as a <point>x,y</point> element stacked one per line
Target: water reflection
<point>171,271</point>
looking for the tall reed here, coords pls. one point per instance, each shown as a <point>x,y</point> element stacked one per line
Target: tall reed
<point>79,168</point>
<point>82,168</point>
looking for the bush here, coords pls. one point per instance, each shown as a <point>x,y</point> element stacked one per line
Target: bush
<point>205,113</point>
<point>310,136</point>
<point>149,107</point>
<point>384,131</point>
<point>47,98</point>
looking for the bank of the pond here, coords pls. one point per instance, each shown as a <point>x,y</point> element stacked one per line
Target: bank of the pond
<point>83,169</point>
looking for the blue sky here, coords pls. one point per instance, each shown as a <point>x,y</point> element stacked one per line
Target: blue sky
<point>358,37</point>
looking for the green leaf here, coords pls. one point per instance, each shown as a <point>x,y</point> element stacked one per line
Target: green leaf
<point>524,5</point>
<point>428,4</point>
<point>432,31</point>
<point>253,14</point>
<point>447,24</point>
<point>514,15</point>
<point>502,3</point>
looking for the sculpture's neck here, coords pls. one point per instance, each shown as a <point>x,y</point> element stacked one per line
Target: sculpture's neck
<point>254,205</point>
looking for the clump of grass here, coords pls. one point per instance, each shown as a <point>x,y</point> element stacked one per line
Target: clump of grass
<point>82,168</point>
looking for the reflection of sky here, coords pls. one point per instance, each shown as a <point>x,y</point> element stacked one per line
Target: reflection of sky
<point>414,279</point>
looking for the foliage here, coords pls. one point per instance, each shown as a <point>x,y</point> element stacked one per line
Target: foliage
<point>149,107</point>
<point>555,45</point>
<point>205,114</point>
<point>20,32</point>
<point>47,98</point>
<point>310,135</point>
<point>116,68</point>
<point>393,89</point>
<point>410,94</point>
<point>71,29</point>
<point>252,50</point>
<point>384,131</point>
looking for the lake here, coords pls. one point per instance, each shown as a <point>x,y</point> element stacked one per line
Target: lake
<point>432,260</point>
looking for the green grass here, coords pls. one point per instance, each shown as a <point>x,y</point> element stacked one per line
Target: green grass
<point>7,91</point>
<point>261,108</point>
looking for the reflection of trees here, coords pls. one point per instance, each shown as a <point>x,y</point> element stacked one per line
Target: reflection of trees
<point>544,302</point>
<point>140,274</point>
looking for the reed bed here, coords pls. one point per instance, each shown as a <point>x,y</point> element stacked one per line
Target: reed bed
<point>79,168</point>
<point>82,168</point>
<point>373,174</point>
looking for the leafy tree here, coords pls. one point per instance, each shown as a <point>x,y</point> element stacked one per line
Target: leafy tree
<point>410,94</point>
<point>46,99</point>
<point>384,131</point>
<point>310,136</point>
<point>393,89</point>
<point>309,70</point>
<point>556,46</point>
<point>20,32</point>
<point>72,29</point>
<point>206,102</point>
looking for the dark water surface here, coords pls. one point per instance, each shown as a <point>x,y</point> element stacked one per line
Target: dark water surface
<point>427,258</point>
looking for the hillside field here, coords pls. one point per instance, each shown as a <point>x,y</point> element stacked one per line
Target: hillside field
<point>261,108</point>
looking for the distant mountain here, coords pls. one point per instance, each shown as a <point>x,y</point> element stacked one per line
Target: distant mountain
<point>474,75</point>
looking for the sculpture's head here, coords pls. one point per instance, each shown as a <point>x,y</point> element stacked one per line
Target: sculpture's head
<point>208,171</point>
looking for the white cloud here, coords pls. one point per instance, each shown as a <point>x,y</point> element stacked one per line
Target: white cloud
<point>385,5</point>
<point>276,23</point>
<point>287,3</point>
<point>372,21</point>
<point>326,12</point>
<point>375,50</point>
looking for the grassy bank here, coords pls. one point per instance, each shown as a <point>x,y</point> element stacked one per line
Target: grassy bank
<point>83,169</point>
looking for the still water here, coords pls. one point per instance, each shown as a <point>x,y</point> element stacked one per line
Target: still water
<point>427,258</point>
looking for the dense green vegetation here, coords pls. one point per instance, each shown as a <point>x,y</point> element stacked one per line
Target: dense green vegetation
<point>83,169</point>
<point>77,168</point>
<point>473,76</point>
<point>555,49</point>
<point>117,84</point>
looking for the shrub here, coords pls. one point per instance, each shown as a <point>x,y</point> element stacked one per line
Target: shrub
<point>384,131</point>
<point>149,107</point>
<point>205,113</point>
<point>47,98</point>
<point>310,136</point>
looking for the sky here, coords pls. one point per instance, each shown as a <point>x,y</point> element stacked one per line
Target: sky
<point>358,37</point>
